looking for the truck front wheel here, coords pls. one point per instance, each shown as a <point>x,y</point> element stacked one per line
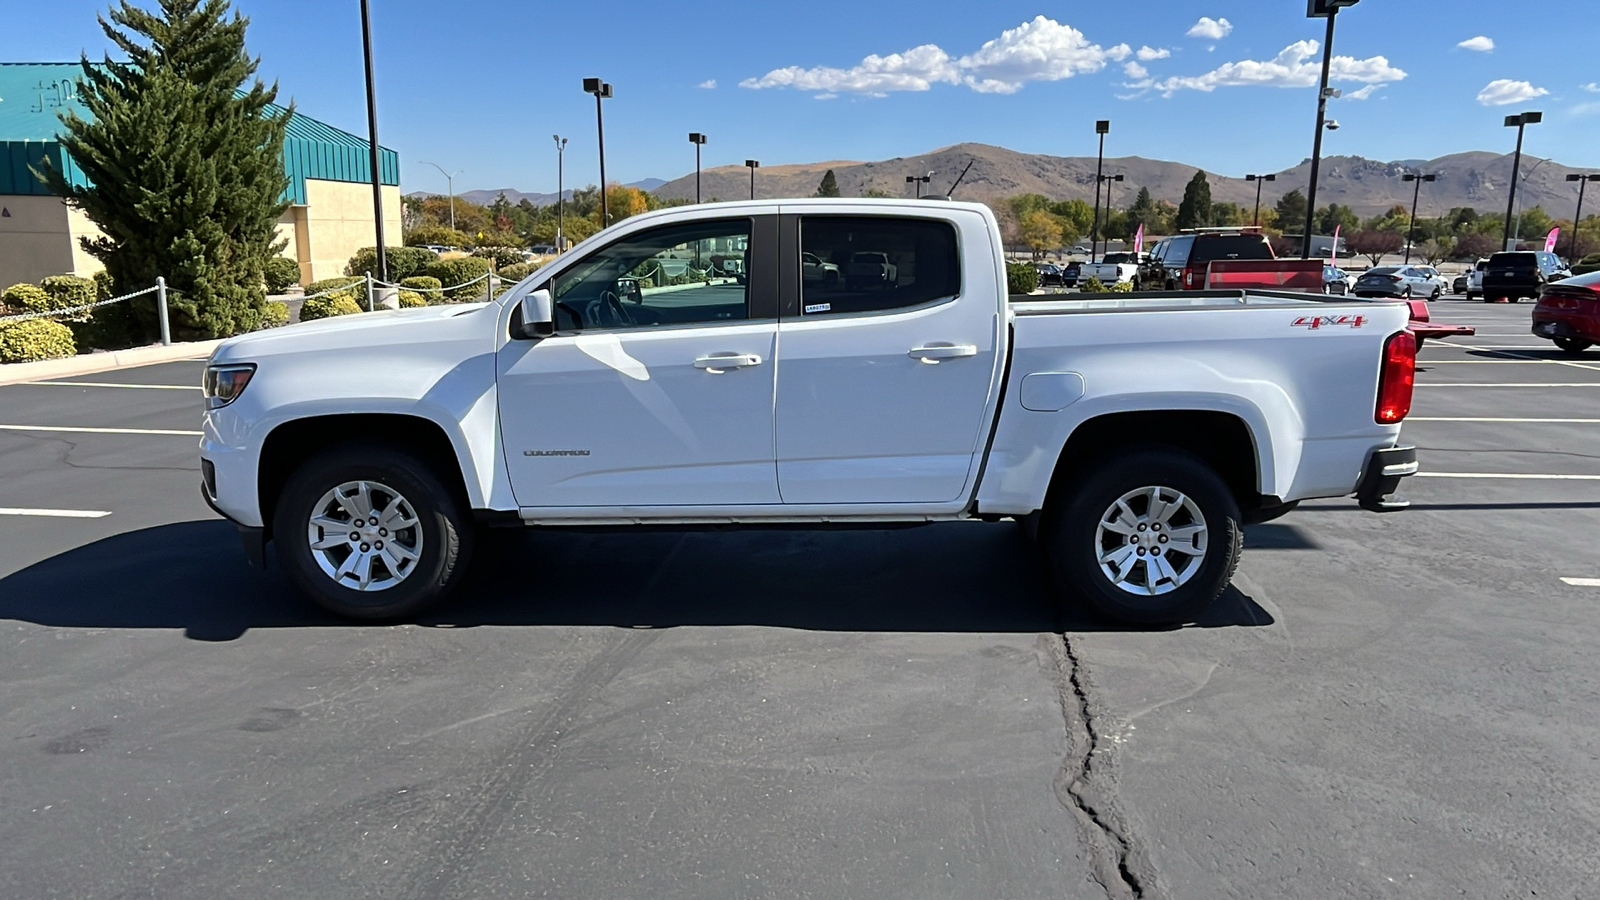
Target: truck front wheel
<point>369,532</point>
<point>1150,538</point>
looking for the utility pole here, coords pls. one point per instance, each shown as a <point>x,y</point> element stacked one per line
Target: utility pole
<point>1315,9</point>
<point>698,140</point>
<point>450,185</point>
<point>601,91</point>
<point>561,193</point>
<point>1520,122</point>
<point>1416,191</point>
<point>1101,127</point>
<point>753,165</point>
<point>372,135</point>
<point>1259,179</point>
<point>1577,217</point>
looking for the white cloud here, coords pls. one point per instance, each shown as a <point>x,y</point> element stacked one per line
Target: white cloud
<point>1040,50</point>
<point>1479,43</point>
<point>709,84</point>
<point>1297,66</point>
<point>1502,91</point>
<point>1363,93</point>
<point>1207,27</point>
<point>1592,87</point>
<point>1149,53</point>
<point>1135,71</point>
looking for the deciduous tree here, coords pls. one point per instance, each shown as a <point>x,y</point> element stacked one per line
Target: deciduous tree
<point>1374,244</point>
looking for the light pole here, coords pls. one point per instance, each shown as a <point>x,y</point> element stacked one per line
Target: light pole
<point>1259,179</point>
<point>1519,122</point>
<point>1516,233</point>
<point>1316,9</point>
<point>1107,180</point>
<point>372,135</point>
<point>601,91</point>
<point>1577,217</point>
<point>752,165</point>
<point>919,181</point>
<point>1416,191</point>
<point>450,185</point>
<point>698,140</point>
<point>1101,127</point>
<point>561,192</point>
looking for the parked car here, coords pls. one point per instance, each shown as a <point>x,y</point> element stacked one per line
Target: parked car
<point>1180,262</point>
<point>543,250</point>
<point>1475,279</point>
<point>1520,273</point>
<point>1396,281</point>
<point>1459,284</point>
<point>1051,275</point>
<point>1071,272</point>
<point>1114,268</point>
<point>1137,434</point>
<point>1336,280</point>
<point>1568,313</point>
<point>814,271</point>
<point>1441,285</point>
<point>869,269</point>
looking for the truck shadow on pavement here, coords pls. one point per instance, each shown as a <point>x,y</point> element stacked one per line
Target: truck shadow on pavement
<point>960,578</point>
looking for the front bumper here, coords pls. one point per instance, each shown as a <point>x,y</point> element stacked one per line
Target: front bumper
<point>1385,470</point>
<point>253,539</point>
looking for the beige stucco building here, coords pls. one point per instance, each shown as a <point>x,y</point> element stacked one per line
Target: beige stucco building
<point>330,191</point>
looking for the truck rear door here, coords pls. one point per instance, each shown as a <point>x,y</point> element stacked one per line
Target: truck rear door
<point>883,389</point>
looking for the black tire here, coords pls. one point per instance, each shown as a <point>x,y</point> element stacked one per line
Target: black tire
<point>1419,342</point>
<point>1470,295</point>
<point>1074,544</point>
<point>445,527</point>
<point>1573,346</point>
<point>1437,293</point>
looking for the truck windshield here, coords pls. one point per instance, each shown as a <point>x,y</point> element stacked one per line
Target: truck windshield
<point>1229,246</point>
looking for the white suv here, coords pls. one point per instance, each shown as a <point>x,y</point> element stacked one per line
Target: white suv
<point>1475,279</point>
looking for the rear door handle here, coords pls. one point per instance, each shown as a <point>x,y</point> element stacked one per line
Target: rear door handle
<point>932,353</point>
<point>718,362</point>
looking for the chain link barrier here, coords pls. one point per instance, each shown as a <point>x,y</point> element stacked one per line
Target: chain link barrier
<point>71,310</point>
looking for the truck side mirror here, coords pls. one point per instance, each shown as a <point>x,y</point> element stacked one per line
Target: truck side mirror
<point>538,314</point>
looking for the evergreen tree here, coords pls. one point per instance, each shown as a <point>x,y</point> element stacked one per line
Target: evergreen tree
<point>184,154</point>
<point>1291,209</point>
<point>1195,210</point>
<point>829,186</point>
<point>1143,210</point>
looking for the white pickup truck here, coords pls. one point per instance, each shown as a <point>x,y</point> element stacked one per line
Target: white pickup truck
<point>1133,436</point>
<point>1113,268</point>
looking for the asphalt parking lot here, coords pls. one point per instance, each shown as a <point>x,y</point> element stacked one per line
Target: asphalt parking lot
<point>1381,706</point>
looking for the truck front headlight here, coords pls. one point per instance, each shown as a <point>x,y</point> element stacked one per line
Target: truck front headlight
<point>223,384</point>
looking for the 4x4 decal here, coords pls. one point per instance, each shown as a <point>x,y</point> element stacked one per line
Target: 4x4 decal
<point>1315,322</point>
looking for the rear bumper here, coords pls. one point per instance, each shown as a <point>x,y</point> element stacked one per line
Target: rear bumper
<point>1556,325</point>
<point>1385,470</point>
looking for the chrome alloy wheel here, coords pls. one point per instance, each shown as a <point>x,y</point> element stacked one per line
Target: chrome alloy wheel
<point>1151,540</point>
<point>365,536</point>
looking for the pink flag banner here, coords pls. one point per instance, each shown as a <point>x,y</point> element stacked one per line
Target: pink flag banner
<point>1550,240</point>
<point>1138,239</point>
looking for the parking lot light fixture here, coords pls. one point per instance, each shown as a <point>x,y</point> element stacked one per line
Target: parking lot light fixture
<point>1107,180</point>
<point>374,150</point>
<point>919,181</point>
<point>1416,191</point>
<point>1101,127</point>
<point>698,140</point>
<point>752,165</point>
<point>1519,121</point>
<point>450,186</point>
<point>561,192</point>
<point>1258,179</point>
<point>1577,217</point>
<point>601,91</point>
<point>1320,9</point>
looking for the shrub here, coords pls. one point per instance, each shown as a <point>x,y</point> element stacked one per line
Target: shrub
<point>1093,286</point>
<point>501,256</point>
<point>403,262</point>
<point>26,298</point>
<point>517,272</point>
<point>328,307</point>
<point>421,283</point>
<point>452,273</point>
<point>35,339</point>
<point>1021,278</point>
<point>1121,287</point>
<point>67,291</point>
<point>354,288</point>
<point>411,300</point>
<point>105,287</point>
<point>274,314</point>
<point>281,272</point>
<point>1585,268</point>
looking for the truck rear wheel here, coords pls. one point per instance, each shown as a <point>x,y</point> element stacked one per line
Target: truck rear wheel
<point>1150,538</point>
<point>369,532</point>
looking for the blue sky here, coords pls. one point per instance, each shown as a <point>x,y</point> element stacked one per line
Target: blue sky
<point>480,85</point>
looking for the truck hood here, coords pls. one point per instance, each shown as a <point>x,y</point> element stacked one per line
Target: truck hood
<point>433,324</point>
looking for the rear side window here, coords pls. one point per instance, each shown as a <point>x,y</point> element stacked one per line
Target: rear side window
<point>875,263</point>
<point>1513,261</point>
<point>1229,246</point>
<point>1178,251</point>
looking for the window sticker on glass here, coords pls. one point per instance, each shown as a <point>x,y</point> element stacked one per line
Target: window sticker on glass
<point>818,308</point>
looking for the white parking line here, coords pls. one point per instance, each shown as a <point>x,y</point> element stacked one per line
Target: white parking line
<point>1500,419</point>
<point>83,430</point>
<point>1508,475</point>
<point>56,513</point>
<point>1581,582</point>
<point>1523,356</point>
<point>113,384</point>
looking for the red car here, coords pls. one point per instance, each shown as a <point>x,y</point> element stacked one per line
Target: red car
<point>1568,312</point>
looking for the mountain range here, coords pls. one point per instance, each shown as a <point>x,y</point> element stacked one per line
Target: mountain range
<point>513,196</point>
<point>1477,179</point>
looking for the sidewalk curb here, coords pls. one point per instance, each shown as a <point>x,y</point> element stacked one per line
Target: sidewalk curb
<point>90,363</point>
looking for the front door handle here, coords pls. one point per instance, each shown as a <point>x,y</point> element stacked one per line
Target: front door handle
<point>717,363</point>
<point>932,353</point>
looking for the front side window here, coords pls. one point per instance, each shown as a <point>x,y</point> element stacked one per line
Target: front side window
<point>875,263</point>
<point>689,274</point>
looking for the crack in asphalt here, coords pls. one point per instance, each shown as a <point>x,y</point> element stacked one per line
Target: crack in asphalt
<point>1086,785</point>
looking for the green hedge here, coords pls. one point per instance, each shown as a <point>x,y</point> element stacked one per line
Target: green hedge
<point>67,291</point>
<point>35,339</point>
<point>281,273</point>
<point>422,283</point>
<point>1585,268</point>
<point>274,314</point>
<point>454,272</point>
<point>411,300</point>
<point>1093,286</point>
<point>104,286</point>
<point>519,271</point>
<point>502,256</point>
<point>1021,278</point>
<point>355,288</point>
<point>403,262</point>
<point>26,298</point>
<point>328,307</point>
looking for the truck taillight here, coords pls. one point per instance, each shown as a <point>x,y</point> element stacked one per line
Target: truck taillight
<point>1397,378</point>
<point>1190,278</point>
